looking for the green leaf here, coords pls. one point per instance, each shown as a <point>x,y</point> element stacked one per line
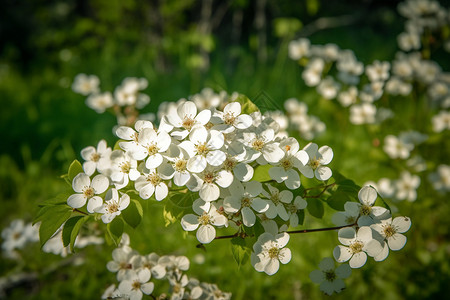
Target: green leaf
<point>241,251</point>
<point>262,173</point>
<point>247,106</point>
<point>338,199</point>
<point>74,169</point>
<point>115,230</point>
<point>177,205</point>
<point>71,229</point>
<point>52,217</point>
<point>301,216</point>
<point>58,200</point>
<point>133,213</point>
<point>315,207</point>
<point>116,145</point>
<point>381,202</point>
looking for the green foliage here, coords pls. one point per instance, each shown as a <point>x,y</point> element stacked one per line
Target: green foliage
<point>74,169</point>
<point>241,250</point>
<point>133,214</point>
<point>261,173</point>
<point>71,229</point>
<point>177,204</point>
<point>115,230</point>
<point>315,207</point>
<point>247,106</point>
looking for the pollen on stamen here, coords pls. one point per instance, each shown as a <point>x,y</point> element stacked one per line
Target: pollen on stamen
<point>356,247</point>
<point>188,123</point>
<point>209,177</point>
<point>365,210</point>
<point>274,252</point>
<point>88,192</point>
<point>229,118</point>
<point>389,231</point>
<point>125,167</point>
<point>204,219</point>
<point>202,149</point>
<point>154,179</point>
<point>246,202</point>
<point>286,164</point>
<point>136,285</point>
<point>113,207</point>
<point>229,163</point>
<point>314,163</point>
<point>330,275</point>
<point>180,165</point>
<point>258,144</point>
<point>95,157</point>
<point>152,149</point>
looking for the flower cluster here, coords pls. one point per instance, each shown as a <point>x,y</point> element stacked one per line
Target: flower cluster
<point>137,275</point>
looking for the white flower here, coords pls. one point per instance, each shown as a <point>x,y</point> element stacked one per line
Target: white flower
<point>150,145</point>
<point>328,88</point>
<point>121,262</point>
<point>262,143</point>
<point>176,167</point>
<point>313,72</point>
<point>136,283</point>
<point>441,178</point>
<point>17,235</point>
<point>406,186</point>
<point>207,99</point>
<point>397,148</point>
<point>123,169</point>
<point>96,159</point>
<point>378,71</point>
<point>203,149</point>
<point>269,251</point>
<point>363,113</point>
<point>209,217</point>
<point>277,202</point>
<point>86,190</point>
<point>149,183</point>
<point>231,118</point>
<point>244,199</point>
<point>318,159</point>
<point>150,262</point>
<point>284,170</point>
<point>129,134</point>
<point>100,102</point>
<point>369,214</point>
<point>348,97</point>
<point>128,92</point>
<point>206,183</point>
<point>299,48</point>
<point>329,277</point>
<point>113,205</point>
<point>292,209</point>
<point>348,216</point>
<point>391,231</point>
<point>441,121</point>
<point>186,119</point>
<point>234,162</point>
<point>357,246</point>
<point>85,84</point>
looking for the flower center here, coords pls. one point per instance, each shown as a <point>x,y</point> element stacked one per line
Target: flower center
<point>356,247</point>
<point>202,149</point>
<point>229,163</point>
<point>365,210</point>
<point>124,265</point>
<point>350,220</point>
<point>209,125</point>
<point>177,288</point>
<point>314,163</point>
<point>229,118</point>
<point>389,231</point>
<point>95,157</point>
<point>152,149</point>
<point>286,164</point>
<point>180,165</point>
<point>88,192</point>
<point>16,235</point>
<point>273,252</point>
<point>209,177</point>
<point>292,208</point>
<point>330,275</point>
<point>287,147</point>
<point>204,219</point>
<point>154,179</point>
<point>113,207</point>
<point>258,144</point>
<point>188,123</point>
<point>135,137</point>
<point>125,167</point>
<point>275,198</point>
<point>136,285</point>
<point>246,202</point>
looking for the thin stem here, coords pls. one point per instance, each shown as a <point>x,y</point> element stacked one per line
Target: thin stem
<point>79,211</point>
<point>325,187</point>
<point>321,229</point>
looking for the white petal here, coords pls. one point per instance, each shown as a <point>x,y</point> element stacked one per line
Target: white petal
<point>401,224</point>
<point>187,109</point>
<point>243,122</point>
<point>327,155</point>
<point>224,178</point>
<point>272,153</point>
<point>94,203</point>
<point>285,255</point>
<point>248,217</point>
<point>397,241</point>
<point>189,222</point>
<point>89,167</point>
<point>163,141</point>
<point>181,178</point>
<point>205,234</point>
<point>198,135</point>
<point>243,172</point>
<point>204,116</point>
<point>161,191</point>
<point>346,235</point>
<point>209,192</point>
<point>317,276</point>
<point>326,264</point>
<point>154,161</point>
<point>147,288</point>
<point>358,260</point>
<point>232,204</point>
<point>233,108</point>
<point>343,271</point>
<point>80,182</point>
<point>278,174</point>
<point>215,157</point>
<point>272,267</point>
<point>125,133</point>
<point>293,180</point>
<point>260,205</point>
<point>364,234</point>
<point>323,173</point>
<point>76,200</point>
<point>367,195</point>
<point>282,239</point>
<point>100,183</point>
<point>196,164</point>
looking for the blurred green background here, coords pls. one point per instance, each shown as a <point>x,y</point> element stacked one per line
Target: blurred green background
<point>182,46</point>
